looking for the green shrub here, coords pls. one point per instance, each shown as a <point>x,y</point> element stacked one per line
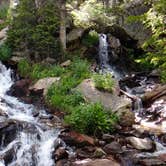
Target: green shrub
<point>80,68</point>
<point>5,52</point>
<point>90,39</point>
<point>38,71</point>
<point>91,119</point>
<point>24,68</point>
<point>103,81</point>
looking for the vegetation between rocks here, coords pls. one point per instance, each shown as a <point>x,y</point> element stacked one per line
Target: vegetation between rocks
<point>103,81</point>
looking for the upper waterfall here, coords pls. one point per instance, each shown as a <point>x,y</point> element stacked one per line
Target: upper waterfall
<point>105,59</point>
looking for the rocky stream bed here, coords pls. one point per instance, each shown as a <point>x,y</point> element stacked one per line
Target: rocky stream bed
<point>33,135</point>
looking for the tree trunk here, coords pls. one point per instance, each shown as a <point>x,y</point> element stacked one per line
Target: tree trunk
<point>63,26</point>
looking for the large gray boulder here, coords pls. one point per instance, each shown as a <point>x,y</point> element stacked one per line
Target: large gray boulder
<point>42,85</point>
<point>111,101</point>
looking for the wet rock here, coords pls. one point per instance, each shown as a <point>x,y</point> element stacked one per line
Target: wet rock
<point>81,154</point>
<point>8,132</point>
<point>110,101</point>
<point>61,153</point>
<point>42,85</point>
<point>141,144</point>
<point>114,42</point>
<point>162,157</point>
<point>151,162</point>
<point>73,138</point>
<point>113,147</point>
<point>97,162</point>
<point>66,63</point>
<point>4,124</point>
<point>20,88</point>
<point>108,137</point>
<point>63,162</point>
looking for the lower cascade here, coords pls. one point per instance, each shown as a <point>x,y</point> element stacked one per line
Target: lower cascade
<point>25,139</point>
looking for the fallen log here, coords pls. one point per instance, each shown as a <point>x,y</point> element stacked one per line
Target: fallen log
<point>153,95</point>
<point>131,96</point>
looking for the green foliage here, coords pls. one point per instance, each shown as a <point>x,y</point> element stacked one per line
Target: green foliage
<point>103,81</point>
<point>35,29</point>
<point>163,72</point>
<point>91,39</point>
<point>5,52</point>
<point>60,95</point>
<point>80,68</point>
<point>24,68</point>
<point>154,47</point>
<point>37,71</point>
<point>91,119</point>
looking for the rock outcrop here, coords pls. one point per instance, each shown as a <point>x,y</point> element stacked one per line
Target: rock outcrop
<point>110,101</point>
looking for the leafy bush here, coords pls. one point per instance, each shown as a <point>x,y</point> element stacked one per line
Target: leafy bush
<point>91,119</point>
<point>91,39</point>
<point>103,81</point>
<point>5,52</point>
<point>61,95</point>
<point>24,68</point>
<point>80,68</point>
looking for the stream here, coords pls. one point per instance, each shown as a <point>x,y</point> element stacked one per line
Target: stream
<point>151,119</point>
<point>26,139</point>
<point>28,136</point>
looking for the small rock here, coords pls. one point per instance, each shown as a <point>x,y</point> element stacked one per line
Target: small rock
<point>63,162</point>
<point>81,154</point>
<point>113,147</point>
<point>151,162</point>
<point>73,138</point>
<point>61,153</point>
<point>3,33</point>
<point>108,137</point>
<point>66,63</point>
<point>97,162</point>
<point>141,144</point>
<point>49,60</point>
<point>15,59</point>
<point>99,153</point>
<point>162,157</point>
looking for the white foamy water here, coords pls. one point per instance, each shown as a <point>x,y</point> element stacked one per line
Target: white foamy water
<point>104,58</point>
<point>34,141</point>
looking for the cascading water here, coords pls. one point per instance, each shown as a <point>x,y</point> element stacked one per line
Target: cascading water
<point>142,115</point>
<point>33,141</point>
<point>104,58</point>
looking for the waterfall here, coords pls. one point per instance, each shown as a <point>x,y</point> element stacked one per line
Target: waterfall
<point>33,142</point>
<point>104,58</point>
